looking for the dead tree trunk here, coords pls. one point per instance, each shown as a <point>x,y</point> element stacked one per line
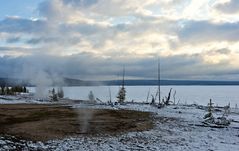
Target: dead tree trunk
<point>148,96</point>
<point>174,98</point>
<point>153,100</point>
<point>110,101</point>
<point>159,84</point>
<point>168,98</point>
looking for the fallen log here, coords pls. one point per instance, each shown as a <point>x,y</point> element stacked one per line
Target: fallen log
<point>212,126</point>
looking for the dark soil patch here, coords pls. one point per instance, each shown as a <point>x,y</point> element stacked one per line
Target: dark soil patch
<point>46,122</point>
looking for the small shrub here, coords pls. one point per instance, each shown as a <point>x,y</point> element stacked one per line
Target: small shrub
<point>91,97</point>
<point>121,95</point>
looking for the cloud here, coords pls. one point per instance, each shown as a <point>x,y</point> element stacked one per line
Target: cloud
<point>82,3</point>
<point>21,25</point>
<point>230,7</point>
<point>16,51</point>
<point>92,39</point>
<point>223,51</point>
<point>87,66</point>
<point>205,31</point>
<point>13,39</point>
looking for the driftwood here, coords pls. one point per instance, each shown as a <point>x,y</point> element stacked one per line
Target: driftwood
<point>235,121</point>
<point>97,99</point>
<point>211,126</point>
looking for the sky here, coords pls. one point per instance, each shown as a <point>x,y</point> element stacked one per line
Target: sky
<point>94,39</point>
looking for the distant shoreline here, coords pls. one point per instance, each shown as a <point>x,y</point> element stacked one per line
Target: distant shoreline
<point>174,82</point>
<point>76,82</point>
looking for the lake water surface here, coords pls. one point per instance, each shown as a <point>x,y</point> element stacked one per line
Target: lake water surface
<point>221,95</point>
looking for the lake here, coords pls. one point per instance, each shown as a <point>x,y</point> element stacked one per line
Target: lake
<point>221,95</point>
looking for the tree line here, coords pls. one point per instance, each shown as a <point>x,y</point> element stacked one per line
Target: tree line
<point>55,96</point>
<point>5,90</point>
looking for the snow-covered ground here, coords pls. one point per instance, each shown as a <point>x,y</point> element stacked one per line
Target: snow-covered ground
<point>176,128</point>
<point>21,99</point>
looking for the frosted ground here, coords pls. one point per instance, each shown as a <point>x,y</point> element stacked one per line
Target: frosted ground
<point>177,127</point>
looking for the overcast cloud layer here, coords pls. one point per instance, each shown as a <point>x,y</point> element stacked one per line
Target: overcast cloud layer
<point>94,39</point>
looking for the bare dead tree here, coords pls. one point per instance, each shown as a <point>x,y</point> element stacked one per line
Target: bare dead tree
<point>110,95</point>
<point>168,98</point>
<point>156,94</point>
<point>174,98</point>
<point>210,108</point>
<point>159,84</point>
<point>148,96</point>
<point>153,100</point>
<point>178,101</point>
<point>226,110</point>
